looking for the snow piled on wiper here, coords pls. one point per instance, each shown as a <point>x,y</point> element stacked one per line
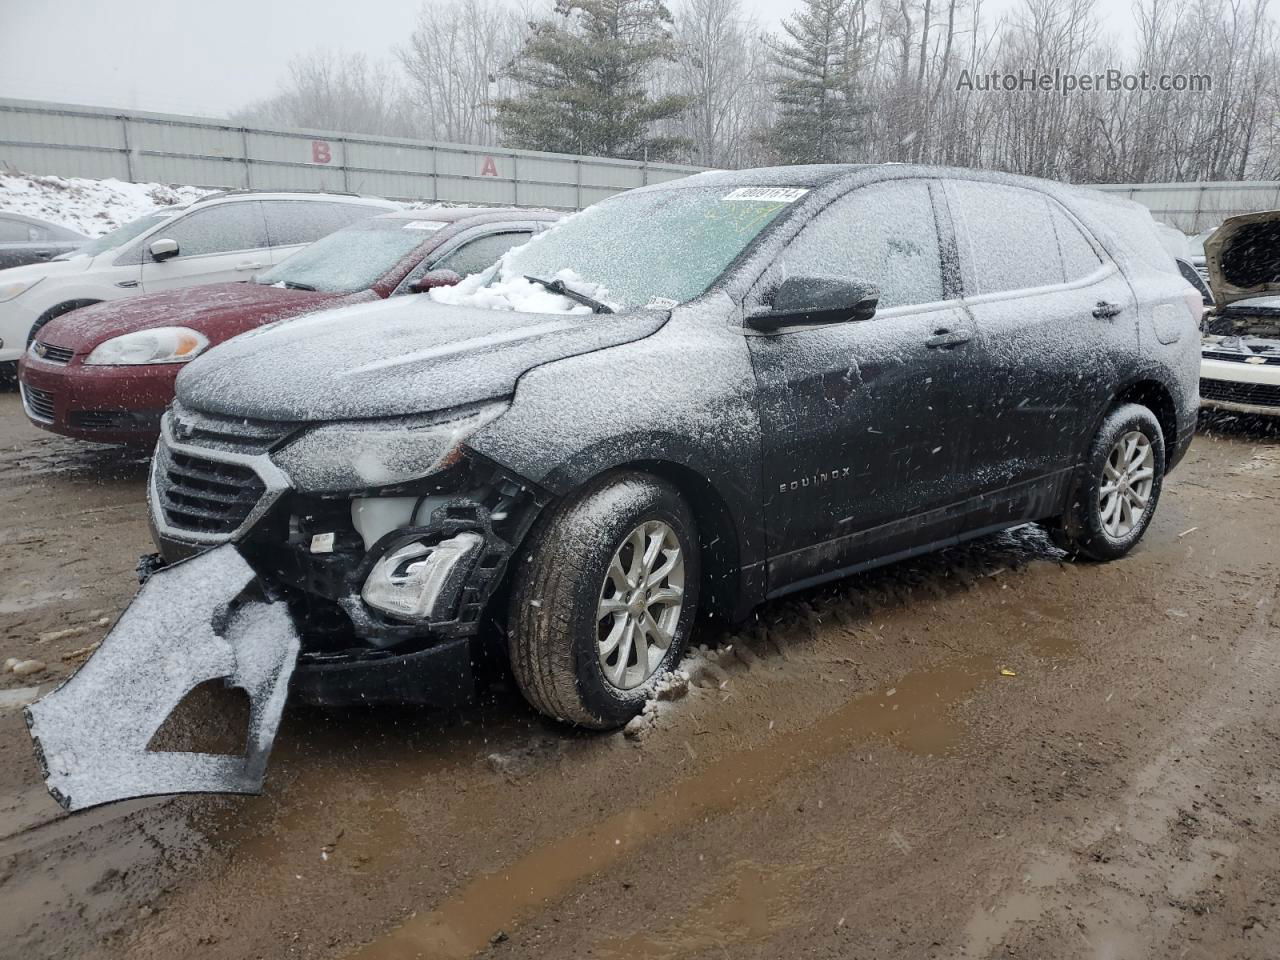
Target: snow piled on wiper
<point>512,291</point>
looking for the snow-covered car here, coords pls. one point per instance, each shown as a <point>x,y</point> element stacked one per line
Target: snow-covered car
<point>223,237</point>
<point>105,373</point>
<point>26,240</point>
<point>1240,364</point>
<point>691,396</point>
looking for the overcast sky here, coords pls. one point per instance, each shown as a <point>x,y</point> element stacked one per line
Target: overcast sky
<point>209,58</point>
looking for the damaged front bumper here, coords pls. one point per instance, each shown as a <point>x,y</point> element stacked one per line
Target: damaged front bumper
<point>199,620</point>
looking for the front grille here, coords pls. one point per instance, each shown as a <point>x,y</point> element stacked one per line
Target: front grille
<point>39,403</point>
<point>204,496</point>
<point>229,434</point>
<point>53,354</point>
<point>1254,358</point>
<point>116,420</point>
<point>1230,391</point>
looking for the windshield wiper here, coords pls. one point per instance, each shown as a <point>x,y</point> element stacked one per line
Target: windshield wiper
<point>557,286</point>
<point>294,285</point>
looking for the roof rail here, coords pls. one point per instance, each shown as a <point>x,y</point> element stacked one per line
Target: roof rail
<point>241,191</point>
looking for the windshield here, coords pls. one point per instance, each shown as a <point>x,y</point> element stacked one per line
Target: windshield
<point>354,258</point>
<point>662,246</point>
<point>121,235</point>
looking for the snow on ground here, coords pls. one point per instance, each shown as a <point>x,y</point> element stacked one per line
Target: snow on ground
<point>93,207</point>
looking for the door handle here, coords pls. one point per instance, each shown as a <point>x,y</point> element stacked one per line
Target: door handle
<point>250,266</point>
<point>1105,311</point>
<point>944,338</point>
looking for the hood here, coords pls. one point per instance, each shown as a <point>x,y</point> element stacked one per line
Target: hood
<point>395,357</point>
<point>45,268</point>
<point>1243,257</point>
<point>218,310</point>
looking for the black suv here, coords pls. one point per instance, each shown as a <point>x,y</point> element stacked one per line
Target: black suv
<point>689,397</point>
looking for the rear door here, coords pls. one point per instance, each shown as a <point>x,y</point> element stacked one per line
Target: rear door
<point>864,423</point>
<point>1051,314</point>
<point>220,243</point>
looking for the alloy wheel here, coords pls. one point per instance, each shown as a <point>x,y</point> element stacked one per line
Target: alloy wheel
<point>640,604</point>
<point>1127,479</point>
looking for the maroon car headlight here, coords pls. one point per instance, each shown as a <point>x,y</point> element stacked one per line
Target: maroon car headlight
<point>158,345</point>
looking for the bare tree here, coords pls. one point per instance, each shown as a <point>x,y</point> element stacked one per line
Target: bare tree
<point>326,90</point>
<point>456,61</point>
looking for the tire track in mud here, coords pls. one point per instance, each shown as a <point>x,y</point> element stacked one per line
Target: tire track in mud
<point>912,713</point>
<point>1147,849</point>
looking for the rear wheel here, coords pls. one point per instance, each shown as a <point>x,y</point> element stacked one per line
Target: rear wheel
<point>604,599</point>
<point>1116,495</point>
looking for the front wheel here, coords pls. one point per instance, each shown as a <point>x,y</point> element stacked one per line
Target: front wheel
<point>1116,494</point>
<point>604,599</point>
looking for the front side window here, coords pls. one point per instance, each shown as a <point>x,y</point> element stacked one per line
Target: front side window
<point>291,222</point>
<point>481,253</point>
<point>351,259</point>
<point>222,229</point>
<point>1005,236</point>
<point>885,234</point>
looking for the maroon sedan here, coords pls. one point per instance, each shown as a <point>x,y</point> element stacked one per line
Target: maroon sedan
<point>106,372</point>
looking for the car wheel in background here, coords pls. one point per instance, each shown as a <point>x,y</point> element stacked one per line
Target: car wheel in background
<point>1118,489</point>
<point>603,600</point>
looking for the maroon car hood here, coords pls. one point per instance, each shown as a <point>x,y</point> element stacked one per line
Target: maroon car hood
<point>218,310</point>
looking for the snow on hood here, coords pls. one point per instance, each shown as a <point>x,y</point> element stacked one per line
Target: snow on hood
<point>400,356</point>
<point>517,293</point>
<point>218,310</point>
<point>1243,257</point>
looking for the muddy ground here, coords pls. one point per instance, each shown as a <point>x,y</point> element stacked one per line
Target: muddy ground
<point>857,775</point>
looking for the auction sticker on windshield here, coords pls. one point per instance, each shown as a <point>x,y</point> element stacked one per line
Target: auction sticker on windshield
<point>772,194</point>
<point>425,225</point>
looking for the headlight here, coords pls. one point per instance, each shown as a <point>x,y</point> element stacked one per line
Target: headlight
<point>161,345</point>
<point>358,456</point>
<point>10,290</point>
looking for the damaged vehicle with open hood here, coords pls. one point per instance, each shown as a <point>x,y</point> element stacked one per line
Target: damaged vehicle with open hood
<point>1240,370</point>
<point>682,401</point>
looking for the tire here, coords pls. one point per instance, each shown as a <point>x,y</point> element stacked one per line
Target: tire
<point>1104,519</point>
<point>565,577</point>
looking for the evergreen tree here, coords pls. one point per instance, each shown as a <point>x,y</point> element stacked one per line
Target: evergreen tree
<point>584,82</point>
<point>816,62</point>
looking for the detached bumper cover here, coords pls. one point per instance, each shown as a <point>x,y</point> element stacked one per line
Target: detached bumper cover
<point>191,622</point>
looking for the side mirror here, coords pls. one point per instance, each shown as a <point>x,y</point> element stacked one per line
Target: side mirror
<point>435,278</point>
<point>811,301</point>
<point>162,250</point>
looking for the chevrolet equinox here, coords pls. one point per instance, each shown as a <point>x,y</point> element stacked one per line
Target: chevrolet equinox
<point>687,398</point>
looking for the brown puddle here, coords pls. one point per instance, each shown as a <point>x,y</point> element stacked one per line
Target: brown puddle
<point>913,715</point>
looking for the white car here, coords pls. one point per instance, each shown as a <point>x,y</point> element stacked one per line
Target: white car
<point>1240,353</point>
<point>223,237</point>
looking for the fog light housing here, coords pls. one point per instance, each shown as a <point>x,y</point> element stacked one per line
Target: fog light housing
<point>420,581</point>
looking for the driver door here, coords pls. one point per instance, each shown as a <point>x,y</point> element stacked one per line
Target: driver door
<point>223,243</point>
<point>865,423</point>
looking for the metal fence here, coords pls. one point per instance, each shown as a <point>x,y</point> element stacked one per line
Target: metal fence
<point>1192,207</point>
<point>75,141</point>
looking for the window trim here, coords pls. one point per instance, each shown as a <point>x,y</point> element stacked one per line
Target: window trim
<point>433,256</point>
